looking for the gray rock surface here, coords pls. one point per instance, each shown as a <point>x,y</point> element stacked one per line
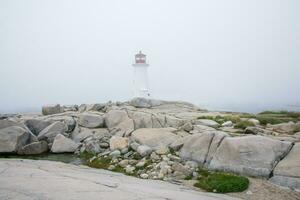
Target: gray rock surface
<point>145,103</point>
<point>61,144</point>
<point>249,155</point>
<point>287,172</point>
<point>51,109</point>
<point>154,137</point>
<point>51,131</point>
<point>90,120</point>
<point>257,131</point>
<point>13,138</point>
<point>289,127</point>
<point>207,122</point>
<point>34,148</point>
<point>36,125</point>
<point>56,180</point>
<point>118,122</point>
<point>201,147</point>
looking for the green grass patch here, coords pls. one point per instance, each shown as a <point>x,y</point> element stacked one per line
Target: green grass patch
<point>189,177</point>
<point>221,182</point>
<point>101,163</point>
<point>243,124</point>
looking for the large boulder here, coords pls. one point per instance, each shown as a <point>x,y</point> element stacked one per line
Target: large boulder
<point>69,122</point>
<point>200,147</point>
<point>118,122</point>
<point>34,148</point>
<point>289,127</point>
<point>50,132</point>
<point>114,117</point>
<point>13,138</point>
<point>154,137</point>
<point>61,144</point>
<point>141,119</point>
<point>287,172</point>
<point>249,155</point>
<point>78,135</point>
<point>36,125</point>
<point>51,109</point>
<point>117,142</point>
<point>90,120</point>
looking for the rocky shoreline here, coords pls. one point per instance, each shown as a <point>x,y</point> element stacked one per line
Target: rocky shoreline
<point>155,139</point>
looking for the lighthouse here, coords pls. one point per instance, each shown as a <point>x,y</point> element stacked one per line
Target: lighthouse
<point>140,81</point>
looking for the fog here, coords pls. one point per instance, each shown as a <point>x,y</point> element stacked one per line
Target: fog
<point>229,55</point>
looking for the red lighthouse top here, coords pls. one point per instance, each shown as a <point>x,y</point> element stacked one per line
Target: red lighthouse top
<point>140,58</point>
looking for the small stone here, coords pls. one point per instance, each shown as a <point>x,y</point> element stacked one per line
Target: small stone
<point>144,176</point>
<point>144,150</point>
<point>141,163</point>
<point>129,169</point>
<point>191,164</point>
<point>187,127</point>
<point>117,142</point>
<point>134,145</point>
<point>174,158</point>
<point>111,167</point>
<point>104,145</point>
<point>154,156</point>
<point>227,124</point>
<point>162,150</point>
<point>124,163</point>
<point>249,192</point>
<point>124,151</point>
<point>115,153</point>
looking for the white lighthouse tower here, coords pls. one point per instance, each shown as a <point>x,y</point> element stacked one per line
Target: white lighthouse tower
<point>140,81</point>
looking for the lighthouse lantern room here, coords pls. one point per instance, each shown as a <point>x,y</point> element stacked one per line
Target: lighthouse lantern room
<point>140,81</point>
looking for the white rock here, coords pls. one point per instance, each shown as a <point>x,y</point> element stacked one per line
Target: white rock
<point>144,176</point>
<point>227,124</point>
<point>62,144</point>
<point>117,142</point>
<point>144,150</point>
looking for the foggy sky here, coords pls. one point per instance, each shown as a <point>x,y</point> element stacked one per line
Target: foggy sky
<point>213,53</point>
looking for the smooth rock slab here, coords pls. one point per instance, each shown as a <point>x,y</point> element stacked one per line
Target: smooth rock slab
<point>249,155</point>
<point>29,179</point>
<point>287,172</point>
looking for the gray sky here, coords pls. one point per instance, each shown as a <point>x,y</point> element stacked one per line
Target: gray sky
<point>221,54</point>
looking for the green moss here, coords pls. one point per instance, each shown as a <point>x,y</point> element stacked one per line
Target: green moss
<point>243,124</point>
<point>101,163</point>
<point>189,177</point>
<point>220,182</point>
